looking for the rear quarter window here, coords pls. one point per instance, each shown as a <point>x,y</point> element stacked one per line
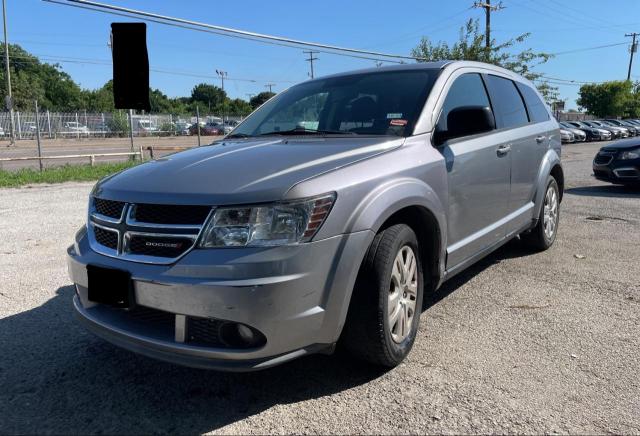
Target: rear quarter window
<point>536,107</point>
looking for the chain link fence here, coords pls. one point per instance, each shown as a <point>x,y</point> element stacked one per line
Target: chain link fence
<point>83,124</point>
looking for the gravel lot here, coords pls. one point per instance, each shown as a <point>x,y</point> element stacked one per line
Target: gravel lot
<point>520,343</point>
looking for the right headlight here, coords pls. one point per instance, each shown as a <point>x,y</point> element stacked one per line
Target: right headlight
<point>635,154</point>
<point>281,223</point>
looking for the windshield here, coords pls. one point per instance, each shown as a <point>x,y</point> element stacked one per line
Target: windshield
<point>379,103</point>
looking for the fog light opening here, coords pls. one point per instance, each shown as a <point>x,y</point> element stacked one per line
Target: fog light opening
<point>236,335</point>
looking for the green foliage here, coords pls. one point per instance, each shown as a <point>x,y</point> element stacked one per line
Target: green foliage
<point>471,47</point>
<point>66,173</point>
<point>32,80</point>
<point>56,91</point>
<point>611,99</point>
<point>208,97</point>
<point>257,100</point>
<point>119,124</point>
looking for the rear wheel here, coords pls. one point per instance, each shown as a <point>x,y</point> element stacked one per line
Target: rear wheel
<point>385,308</point>
<point>542,236</point>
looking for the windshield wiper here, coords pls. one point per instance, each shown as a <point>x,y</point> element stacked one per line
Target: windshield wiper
<point>237,135</point>
<point>305,131</point>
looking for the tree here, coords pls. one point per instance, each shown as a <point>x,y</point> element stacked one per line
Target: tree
<point>609,99</point>
<point>239,107</point>
<point>471,47</point>
<point>208,96</point>
<point>32,80</point>
<point>259,99</point>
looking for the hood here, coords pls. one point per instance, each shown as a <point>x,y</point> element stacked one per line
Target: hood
<point>239,171</point>
<point>624,144</point>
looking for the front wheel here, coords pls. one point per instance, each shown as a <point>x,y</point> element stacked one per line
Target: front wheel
<point>542,236</point>
<point>385,308</point>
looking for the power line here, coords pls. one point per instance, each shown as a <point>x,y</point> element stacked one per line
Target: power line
<point>588,48</point>
<point>227,31</point>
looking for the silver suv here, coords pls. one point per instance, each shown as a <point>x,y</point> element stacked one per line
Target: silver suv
<point>323,218</point>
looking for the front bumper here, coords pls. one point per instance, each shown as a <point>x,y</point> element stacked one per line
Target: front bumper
<point>296,296</point>
<point>618,171</point>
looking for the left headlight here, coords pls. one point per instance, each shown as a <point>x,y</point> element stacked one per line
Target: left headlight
<point>635,154</point>
<point>272,224</point>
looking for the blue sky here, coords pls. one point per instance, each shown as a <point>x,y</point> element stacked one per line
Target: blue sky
<point>187,58</point>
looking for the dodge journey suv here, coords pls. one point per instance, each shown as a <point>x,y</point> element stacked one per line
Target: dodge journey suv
<point>322,219</point>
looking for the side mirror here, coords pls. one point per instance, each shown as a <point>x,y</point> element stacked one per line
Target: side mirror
<point>466,121</point>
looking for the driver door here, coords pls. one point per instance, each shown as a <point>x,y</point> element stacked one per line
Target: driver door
<point>478,171</point>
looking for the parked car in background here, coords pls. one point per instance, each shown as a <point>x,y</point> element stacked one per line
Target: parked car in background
<point>619,162</point>
<point>593,133</point>
<point>182,128</point>
<point>615,132</point>
<point>102,129</point>
<point>1,131</point>
<point>624,133</point>
<point>147,126</point>
<point>633,130</point>
<point>578,134</point>
<point>566,136</point>
<point>29,127</point>
<point>279,241</point>
<point>193,128</point>
<point>74,128</point>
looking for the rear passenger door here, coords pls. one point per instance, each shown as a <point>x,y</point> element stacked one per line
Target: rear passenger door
<point>478,176</point>
<point>527,142</point>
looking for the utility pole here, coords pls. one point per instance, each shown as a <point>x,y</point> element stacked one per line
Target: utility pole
<point>222,75</point>
<point>9,101</point>
<point>270,85</point>
<point>488,8</point>
<point>311,59</point>
<point>632,50</point>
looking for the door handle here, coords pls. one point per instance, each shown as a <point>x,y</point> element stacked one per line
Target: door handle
<point>540,139</point>
<point>504,149</point>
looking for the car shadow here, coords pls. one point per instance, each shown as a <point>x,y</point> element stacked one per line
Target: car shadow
<point>619,191</point>
<point>512,249</point>
<point>58,378</point>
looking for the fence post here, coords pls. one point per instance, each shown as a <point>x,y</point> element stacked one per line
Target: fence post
<point>19,125</point>
<point>104,126</point>
<point>86,123</point>
<point>131,130</point>
<point>92,160</point>
<point>77,127</point>
<point>49,123</point>
<point>198,123</point>
<point>171,124</point>
<point>38,136</point>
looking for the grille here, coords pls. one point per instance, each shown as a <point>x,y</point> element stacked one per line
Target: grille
<point>107,238</point>
<point>152,317</point>
<point>158,246</point>
<point>171,214</point>
<point>603,159</point>
<point>204,331</point>
<point>110,208</point>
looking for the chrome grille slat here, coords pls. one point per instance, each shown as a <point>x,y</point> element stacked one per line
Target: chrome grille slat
<point>140,241</point>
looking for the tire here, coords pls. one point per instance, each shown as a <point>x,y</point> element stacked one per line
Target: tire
<point>541,237</point>
<point>382,288</point>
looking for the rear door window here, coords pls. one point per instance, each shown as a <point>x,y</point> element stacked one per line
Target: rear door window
<point>536,107</point>
<point>507,102</point>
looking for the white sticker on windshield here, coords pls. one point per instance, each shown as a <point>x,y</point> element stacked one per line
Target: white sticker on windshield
<point>394,115</point>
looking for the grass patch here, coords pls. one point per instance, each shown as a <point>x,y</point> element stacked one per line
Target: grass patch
<point>66,173</point>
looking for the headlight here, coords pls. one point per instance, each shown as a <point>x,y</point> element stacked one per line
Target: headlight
<point>272,224</point>
<point>630,155</point>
